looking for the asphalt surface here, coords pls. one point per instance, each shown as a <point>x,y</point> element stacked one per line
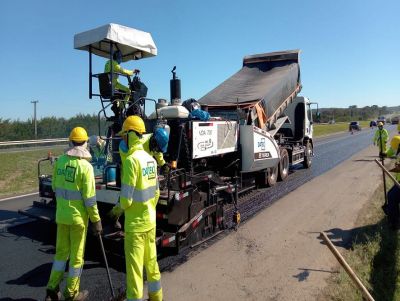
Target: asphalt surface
<point>27,248</point>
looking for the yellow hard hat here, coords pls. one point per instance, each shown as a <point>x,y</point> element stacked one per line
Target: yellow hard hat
<point>380,123</point>
<point>133,123</point>
<point>78,134</point>
<point>395,142</point>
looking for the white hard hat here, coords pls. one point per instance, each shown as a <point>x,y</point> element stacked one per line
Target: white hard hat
<point>93,140</point>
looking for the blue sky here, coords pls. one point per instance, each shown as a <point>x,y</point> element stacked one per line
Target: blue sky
<point>349,48</point>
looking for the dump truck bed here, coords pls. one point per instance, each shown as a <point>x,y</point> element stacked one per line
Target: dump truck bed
<point>271,79</point>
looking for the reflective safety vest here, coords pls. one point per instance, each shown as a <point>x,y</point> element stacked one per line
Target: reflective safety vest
<point>381,133</point>
<point>146,146</point>
<point>74,185</point>
<point>116,69</point>
<point>139,189</point>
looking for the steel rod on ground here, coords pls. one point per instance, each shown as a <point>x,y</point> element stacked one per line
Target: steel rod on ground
<point>106,263</point>
<point>347,268</point>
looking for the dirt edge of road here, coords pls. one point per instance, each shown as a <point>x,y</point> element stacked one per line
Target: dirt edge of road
<point>277,255</point>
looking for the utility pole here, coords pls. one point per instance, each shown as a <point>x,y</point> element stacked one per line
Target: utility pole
<point>34,115</point>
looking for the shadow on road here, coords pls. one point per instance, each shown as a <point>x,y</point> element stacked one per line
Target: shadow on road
<point>6,215</point>
<point>34,278</point>
<point>306,272</point>
<point>45,233</point>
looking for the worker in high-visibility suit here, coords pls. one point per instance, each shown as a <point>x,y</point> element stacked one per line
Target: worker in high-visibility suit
<point>116,67</point>
<point>97,150</point>
<point>74,186</point>
<point>381,138</point>
<point>138,198</point>
<point>155,145</point>
<point>393,195</point>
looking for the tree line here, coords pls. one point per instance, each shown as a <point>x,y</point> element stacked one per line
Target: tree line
<point>56,127</point>
<point>48,127</point>
<point>353,113</point>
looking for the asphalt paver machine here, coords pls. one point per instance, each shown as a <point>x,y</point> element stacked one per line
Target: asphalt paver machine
<point>241,136</point>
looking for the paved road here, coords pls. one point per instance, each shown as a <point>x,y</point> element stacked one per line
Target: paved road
<point>27,250</point>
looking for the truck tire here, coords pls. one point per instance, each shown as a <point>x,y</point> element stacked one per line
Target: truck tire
<point>308,155</point>
<point>272,176</point>
<point>283,165</point>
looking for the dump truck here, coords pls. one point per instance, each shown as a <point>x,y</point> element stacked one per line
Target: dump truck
<point>243,135</point>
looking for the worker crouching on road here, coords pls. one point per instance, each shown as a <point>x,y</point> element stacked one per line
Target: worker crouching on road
<point>74,185</point>
<point>138,198</point>
<point>393,195</point>
<point>381,138</point>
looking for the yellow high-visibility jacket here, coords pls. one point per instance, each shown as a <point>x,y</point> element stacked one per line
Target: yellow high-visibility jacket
<point>139,187</point>
<point>74,185</point>
<point>381,134</point>
<point>116,69</point>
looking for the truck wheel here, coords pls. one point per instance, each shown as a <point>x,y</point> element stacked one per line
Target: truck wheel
<point>272,176</point>
<point>308,153</point>
<point>283,165</point>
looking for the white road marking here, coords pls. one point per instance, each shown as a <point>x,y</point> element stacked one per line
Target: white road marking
<point>18,196</point>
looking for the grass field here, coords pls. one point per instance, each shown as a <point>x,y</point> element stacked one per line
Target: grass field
<point>18,170</point>
<point>374,255</point>
<point>327,129</point>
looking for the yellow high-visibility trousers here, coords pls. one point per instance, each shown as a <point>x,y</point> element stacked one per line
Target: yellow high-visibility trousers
<point>70,245</point>
<point>140,250</point>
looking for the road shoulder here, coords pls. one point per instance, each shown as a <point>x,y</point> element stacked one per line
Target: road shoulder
<point>277,254</point>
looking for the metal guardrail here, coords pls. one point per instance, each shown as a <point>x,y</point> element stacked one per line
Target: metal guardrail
<point>41,141</point>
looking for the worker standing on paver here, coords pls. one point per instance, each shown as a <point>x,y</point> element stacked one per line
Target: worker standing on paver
<point>97,149</point>
<point>393,194</point>
<point>115,63</point>
<point>138,198</point>
<point>74,185</point>
<point>380,139</point>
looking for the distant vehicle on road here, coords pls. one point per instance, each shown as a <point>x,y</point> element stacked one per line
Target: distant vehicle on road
<point>354,126</point>
<point>372,124</point>
<point>382,119</point>
<point>395,120</point>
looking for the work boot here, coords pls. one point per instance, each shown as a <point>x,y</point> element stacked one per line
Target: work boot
<point>80,297</point>
<point>52,295</point>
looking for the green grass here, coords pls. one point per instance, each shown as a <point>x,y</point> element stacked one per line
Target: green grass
<point>327,129</point>
<point>18,170</point>
<point>374,256</point>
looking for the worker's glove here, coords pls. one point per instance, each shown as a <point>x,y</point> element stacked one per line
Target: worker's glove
<point>165,169</point>
<point>115,212</point>
<point>136,71</point>
<point>97,228</point>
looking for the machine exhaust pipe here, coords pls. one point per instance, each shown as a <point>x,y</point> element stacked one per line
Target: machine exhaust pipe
<point>175,87</point>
